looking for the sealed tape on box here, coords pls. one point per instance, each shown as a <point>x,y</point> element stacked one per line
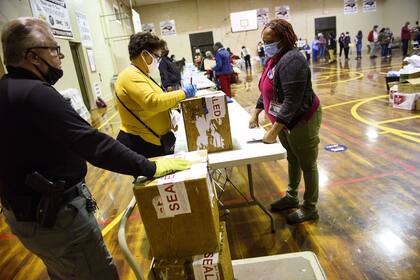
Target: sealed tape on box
<point>179,211</point>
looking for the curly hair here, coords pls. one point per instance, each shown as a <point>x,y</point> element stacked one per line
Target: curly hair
<point>284,31</point>
<point>143,41</point>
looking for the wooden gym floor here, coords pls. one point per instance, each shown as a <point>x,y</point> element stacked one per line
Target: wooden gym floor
<point>369,213</point>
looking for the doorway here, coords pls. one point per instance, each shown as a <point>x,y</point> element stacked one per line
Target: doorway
<point>325,25</point>
<point>202,41</point>
<point>75,53</point>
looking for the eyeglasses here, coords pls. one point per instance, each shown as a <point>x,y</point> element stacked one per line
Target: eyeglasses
<point>158,57</point>
<point>55,50</point>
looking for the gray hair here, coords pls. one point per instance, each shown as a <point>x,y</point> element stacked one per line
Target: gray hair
<point>20,34</point>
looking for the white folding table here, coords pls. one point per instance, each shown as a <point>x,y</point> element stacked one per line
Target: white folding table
<point>243,153</point>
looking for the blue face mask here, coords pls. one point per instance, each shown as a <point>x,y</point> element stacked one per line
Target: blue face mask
<point>271,49</point>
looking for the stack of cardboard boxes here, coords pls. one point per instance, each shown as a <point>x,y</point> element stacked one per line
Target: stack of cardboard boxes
<point>181,220</point>
<point>206,121</point>
<point>405,93</point>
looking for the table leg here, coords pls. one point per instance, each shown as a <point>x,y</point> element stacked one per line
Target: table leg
<point>251,191</point>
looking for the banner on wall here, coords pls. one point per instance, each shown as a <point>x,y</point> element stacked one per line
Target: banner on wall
<point>167,27</point>
<point>148,27</point>
<point>262,17</point>
<point>85,36</point>
<point>369,6</point>
<point>350,7</point>
<point>136,21</point>
<point>55,13</point>
<point>283,12</point>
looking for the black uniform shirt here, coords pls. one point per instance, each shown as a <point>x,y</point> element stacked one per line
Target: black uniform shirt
<point>42,132</point>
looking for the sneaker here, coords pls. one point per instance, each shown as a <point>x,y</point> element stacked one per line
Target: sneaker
<point>301,215</point>
<point>284,203</point>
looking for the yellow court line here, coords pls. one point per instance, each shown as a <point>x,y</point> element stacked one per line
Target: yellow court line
<point>360,69</point>
<point>112,224</point>
<point>384,132</point>
<point>266,125</point>
<point>108,120</point>
<point>399,119</point>
<point>360,75</point>
<point>359,158</point>
<point>401,133</point>
<point>347,102</point>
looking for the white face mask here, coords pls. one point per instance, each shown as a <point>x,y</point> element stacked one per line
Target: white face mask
<point>154,65</point>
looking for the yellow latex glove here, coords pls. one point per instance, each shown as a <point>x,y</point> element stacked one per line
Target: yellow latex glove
<point>165,166</point>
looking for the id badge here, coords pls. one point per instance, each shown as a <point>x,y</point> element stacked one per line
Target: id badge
<point>274,108</point>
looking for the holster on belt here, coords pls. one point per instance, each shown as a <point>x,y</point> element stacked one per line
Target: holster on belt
<point>51,198</point>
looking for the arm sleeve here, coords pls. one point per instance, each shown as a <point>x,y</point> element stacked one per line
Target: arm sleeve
<point>63,125</point>
<point>141,92</point>
<point>293,77</point>
<point>260,103</point>
<point>163,69</point>
<point>219,63</point>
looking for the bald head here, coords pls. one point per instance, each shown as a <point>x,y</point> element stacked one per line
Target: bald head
<point>20,34</point>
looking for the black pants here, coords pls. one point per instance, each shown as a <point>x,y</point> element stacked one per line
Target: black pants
<point>247,59</point>
<point>138,145</point>
<point>404,47</point>
<point>346,52</point>
<point>341,50</point>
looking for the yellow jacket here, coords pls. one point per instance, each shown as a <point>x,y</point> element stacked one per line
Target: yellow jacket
<point>148,101</point>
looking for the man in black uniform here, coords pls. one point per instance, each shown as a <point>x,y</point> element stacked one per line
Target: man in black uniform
<point>44,148</point>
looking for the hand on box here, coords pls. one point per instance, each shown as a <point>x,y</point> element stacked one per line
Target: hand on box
<point>253,122</point>
<point>190,90</point>
<point>166,166</point>
<point>270,136</point>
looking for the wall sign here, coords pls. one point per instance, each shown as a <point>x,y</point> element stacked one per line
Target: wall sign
<point>55,13</point>
<point>91,59</point>
<point>85,36</point>
<point>167,27</point>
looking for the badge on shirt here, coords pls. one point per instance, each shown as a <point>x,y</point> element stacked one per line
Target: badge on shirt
<point>270,73</point>
<point>274,108</point>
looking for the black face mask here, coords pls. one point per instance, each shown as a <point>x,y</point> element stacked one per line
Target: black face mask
<point>53,74</point>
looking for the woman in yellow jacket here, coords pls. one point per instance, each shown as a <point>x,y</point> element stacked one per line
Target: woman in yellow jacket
<point>143,106</point>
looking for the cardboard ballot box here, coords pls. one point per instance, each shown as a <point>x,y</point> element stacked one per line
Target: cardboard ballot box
<point>217,265</point>
<point>206,121</point>
<point>406,101</point>
<point>409,74</point>
<point>179,211</point>
<point>409,86</point>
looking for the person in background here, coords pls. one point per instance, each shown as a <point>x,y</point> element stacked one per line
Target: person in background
<point>294,110</point>
<point>390,36</point>
<point>383,40</point>
<point>209,63</point>
<point>341,42</point>
<point>315,49</point>
<point>143,106</point>
<point>169,72</point>
<point>223,68</point>
<point>198,58</point>
<point>373,41</point>
<point>346,45</point>
<point>307,49</point>
<point>261,53</point>
<point>405,38</point>
<point>332,47</point>
<point>322,46</point>
<point>358,43</point>
<point>246,57</point>
<point>44,197</point>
